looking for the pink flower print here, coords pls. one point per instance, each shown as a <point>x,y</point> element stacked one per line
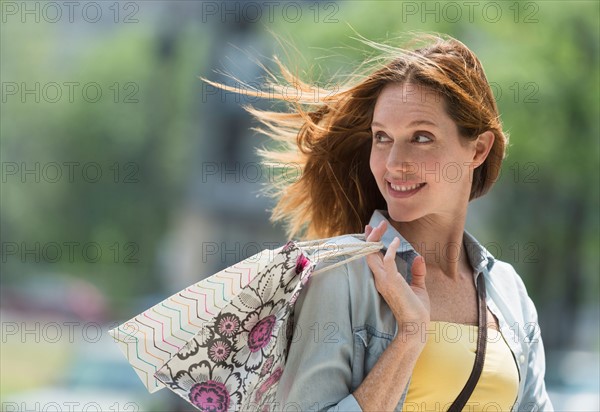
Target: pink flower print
<point>271,380</point>
<point>228,325</point>
<point>219,351</point>
<point>210,396</point>
<point>274,378</point>
<point>210,387</point>
<point>267,366</point>
<point>301,264</point>
<point>255,341</point>
<point>260,335</point>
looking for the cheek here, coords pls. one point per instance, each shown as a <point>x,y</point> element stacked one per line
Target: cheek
<point>450,171</point>
<point>428,167</point>
<point>457,166</point>
<point>376,163</point>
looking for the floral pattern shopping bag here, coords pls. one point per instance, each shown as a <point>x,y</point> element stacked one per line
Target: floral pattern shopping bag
<point>235,359</point>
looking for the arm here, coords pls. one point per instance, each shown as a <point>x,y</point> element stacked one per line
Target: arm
<point>535,397</point>
<point>318,369</point>
<point>392,370</point>
<point>410,304</point>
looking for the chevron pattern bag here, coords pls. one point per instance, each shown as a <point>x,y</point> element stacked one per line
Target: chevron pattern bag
<point>221,343</point>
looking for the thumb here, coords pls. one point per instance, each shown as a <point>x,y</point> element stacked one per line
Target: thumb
<point>418,271</point>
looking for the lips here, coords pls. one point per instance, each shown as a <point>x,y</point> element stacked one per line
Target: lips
<point>404,190</point>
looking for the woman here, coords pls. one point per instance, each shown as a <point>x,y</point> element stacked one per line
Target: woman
<point>400,153</point>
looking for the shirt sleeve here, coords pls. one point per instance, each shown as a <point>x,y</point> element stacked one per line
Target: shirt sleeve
<point>318,371</point>
<point>535,396</point>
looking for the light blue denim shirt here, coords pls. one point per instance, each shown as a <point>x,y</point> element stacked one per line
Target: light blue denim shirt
<point>342,325</point>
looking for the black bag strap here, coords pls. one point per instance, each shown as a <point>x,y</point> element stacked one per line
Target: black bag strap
<point>465,394</point>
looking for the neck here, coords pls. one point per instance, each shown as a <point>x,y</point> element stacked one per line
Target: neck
<point>439,240</point>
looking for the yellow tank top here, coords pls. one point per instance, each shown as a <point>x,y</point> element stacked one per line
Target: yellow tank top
<point>446,362</point>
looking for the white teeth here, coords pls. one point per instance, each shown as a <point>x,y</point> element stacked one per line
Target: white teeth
<point>405,188</point>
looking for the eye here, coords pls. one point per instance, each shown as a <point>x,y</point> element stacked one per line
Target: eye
<point>422,138</point>
<point>380,138</point>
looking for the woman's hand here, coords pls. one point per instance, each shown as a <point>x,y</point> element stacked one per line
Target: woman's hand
<point>382,388</point>
<point>409,303</point>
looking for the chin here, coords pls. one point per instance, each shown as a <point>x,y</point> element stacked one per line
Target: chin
<point>403,215</point>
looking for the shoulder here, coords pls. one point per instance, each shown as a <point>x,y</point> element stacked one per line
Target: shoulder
<point>505,275</point>
<point>339,281</point>
<point>348,288</point>
<point>327,282</point>
<point>510,286</point>
<point>333,263</point>
<point>340,261</point>
<point>326,296</point>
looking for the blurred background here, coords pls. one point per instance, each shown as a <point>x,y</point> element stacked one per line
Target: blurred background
<point>125,178</point>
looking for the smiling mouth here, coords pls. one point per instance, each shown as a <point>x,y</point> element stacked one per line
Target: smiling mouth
<point>404,190</point>
<point>401,188</point>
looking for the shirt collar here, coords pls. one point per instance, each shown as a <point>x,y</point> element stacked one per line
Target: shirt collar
<point>479,257</point>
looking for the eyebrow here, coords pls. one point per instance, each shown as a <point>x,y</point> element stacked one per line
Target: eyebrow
<point>413,123</point>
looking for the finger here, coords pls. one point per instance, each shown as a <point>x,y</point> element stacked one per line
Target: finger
<point>418,270</point>
<point>381,227</point>
<point>373,235</point>
<point>368,230</point>
<point>377,232</point>
<point>377,270</point>
<point>389,260</point>
<point>375,259</point>
<point>375,262</point>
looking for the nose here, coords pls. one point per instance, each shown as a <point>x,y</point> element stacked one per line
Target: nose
<point>398,160</point>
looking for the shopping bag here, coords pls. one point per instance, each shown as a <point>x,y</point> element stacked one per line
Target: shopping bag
<point>233,356</point>
<point>153,337</point>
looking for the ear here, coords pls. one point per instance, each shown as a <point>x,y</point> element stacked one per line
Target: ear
<point>483,145</point>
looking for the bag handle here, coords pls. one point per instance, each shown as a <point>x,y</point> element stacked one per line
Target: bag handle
<point>355,249</point>
<point>463,397</point>
<point>317,243</point>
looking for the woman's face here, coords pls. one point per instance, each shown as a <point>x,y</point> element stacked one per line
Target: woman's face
<point>422,166</point>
